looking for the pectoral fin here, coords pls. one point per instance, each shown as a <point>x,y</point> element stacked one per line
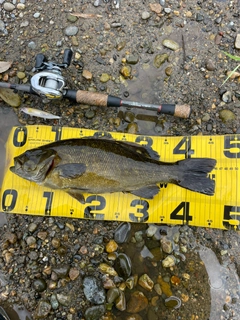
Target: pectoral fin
<point>146,192</point>
<point>71,170</point>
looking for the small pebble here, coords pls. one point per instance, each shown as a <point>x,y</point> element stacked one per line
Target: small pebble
<point>237,41</point>
<point>8,6</point>
<point>32,45</point>
<point>170,44</point>
<point>36,15</point>
<point>145,15</point>
<point>71,31</point>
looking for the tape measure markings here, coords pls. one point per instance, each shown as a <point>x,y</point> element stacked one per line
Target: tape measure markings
<point>173,204</point>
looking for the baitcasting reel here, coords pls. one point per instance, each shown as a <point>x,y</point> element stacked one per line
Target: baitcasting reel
<point>50,83</point>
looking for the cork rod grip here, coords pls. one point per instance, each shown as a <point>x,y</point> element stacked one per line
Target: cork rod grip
<point>92,98</point>
<point>182,111</point>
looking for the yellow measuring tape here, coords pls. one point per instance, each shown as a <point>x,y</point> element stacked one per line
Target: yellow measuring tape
<point>172,205</point>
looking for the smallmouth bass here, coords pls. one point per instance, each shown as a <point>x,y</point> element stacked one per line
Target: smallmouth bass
<point>91,165</point>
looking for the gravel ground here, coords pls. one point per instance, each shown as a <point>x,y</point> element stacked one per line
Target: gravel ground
<point>66,268</point>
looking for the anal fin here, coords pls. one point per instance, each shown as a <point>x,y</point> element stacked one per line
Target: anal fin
<point>146,192</point>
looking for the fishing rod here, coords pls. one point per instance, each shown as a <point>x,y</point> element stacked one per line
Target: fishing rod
<point>49,83</point>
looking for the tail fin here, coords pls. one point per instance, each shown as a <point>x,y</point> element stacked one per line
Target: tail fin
<point>194,175</point>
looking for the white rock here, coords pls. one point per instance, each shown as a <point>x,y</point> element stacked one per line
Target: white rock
<point>237,41</point>
<point>8,6</point>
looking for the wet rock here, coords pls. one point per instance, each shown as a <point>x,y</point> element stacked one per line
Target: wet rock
<point>138,236</point>
<point>89,114</point>
<point>123,265</point>
<point>56,243</point>
<point>126,71</point>
<point>73,273</point>
<point>157,254</point>
<point>32,227</point>
<point>105,268</point>
<point>173,302</point>
<point>93,291</point>
<point>151,230</point>
<point>61,270</point>
<point>11,237</point>
<point>132,128</point>
<point>175,280</point>
<point>227,115</point>
<point>8,6</point>
<point>43,309</point>
<point>158,289</point>
<point>167,245</point>
<point>71,18</point>
<point>31,242</point>
<point>95,312</point>
<point>54,302</point>
<point>129,116</point>
<point>168,71</point>
<point>237,41</point>
<point>120,302</point>
<point>160,59</point>
<point>137,302</point>
<point>130,282</point>
<point>210,66</point>
<point>206,117</point>
<point>33,255</point>
<point>112,295</point>
<point>64,299</point>
<point>40,285</point>
<point>105,77</point>
<point>145,252</point>
<point>132,58</point>
<point>170,44</point>
<point>108,282</point>
<point>111,246</point>
<point>165,286</point>
<point>227,97</point>
<point>169,261</point>
<point>11,98</point>
<point>146,282</point>
<point>199,17</point>
<point>122,232</point>
<point>71,31</point>
<point>145,15</point>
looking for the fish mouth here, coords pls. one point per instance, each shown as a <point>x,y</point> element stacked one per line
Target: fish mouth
<point>12,169</point>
